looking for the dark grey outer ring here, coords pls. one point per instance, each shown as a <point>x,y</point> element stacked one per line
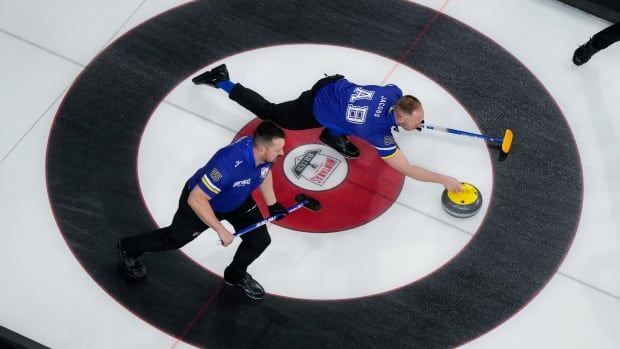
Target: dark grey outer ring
<point>530,224</point>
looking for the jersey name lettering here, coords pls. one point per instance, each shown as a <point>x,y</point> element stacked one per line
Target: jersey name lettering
<point>380,107</point>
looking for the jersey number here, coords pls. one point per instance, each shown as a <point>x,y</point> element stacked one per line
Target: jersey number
<point>355,114</point>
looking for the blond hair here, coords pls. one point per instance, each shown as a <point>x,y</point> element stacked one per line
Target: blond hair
<point>407,104</point>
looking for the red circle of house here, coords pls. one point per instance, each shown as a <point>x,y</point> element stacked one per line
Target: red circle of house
<point>367,190</point>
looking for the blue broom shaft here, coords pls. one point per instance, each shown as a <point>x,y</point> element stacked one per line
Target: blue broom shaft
<point>268,219</point>
<point>463,133</point>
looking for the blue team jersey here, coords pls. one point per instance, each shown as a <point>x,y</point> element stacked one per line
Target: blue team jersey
<point>230,176</point>
<point>362,111</point>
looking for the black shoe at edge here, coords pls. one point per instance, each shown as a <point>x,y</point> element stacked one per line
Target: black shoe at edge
<point>211,77</point>
<point>132,266</point>
<point>249,286</point>
<point>584,52</point>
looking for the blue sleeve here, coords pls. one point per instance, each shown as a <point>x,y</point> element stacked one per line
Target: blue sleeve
<point>385,145</point>
<point>395,90</point>
<point>215,176</point>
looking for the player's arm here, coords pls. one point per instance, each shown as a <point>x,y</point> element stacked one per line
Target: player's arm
<point>266,189</point>
<point>399,162</point>
<point>198,200</point>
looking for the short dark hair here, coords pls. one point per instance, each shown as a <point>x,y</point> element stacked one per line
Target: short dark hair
<point>266,132</point>
<point>407,104</point>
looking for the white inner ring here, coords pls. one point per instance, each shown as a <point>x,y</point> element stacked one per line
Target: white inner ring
<point>411,239</point>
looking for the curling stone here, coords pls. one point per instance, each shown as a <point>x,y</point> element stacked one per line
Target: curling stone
<point>463,204</point>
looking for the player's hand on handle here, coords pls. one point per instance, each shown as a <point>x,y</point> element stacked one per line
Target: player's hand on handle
<point>451,183</point>
<point>226,238</point>
<point>277,209</point>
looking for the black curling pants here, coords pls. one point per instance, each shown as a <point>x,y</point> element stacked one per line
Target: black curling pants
<point>186,226</point>
<point>606,36</point>
<point>293,115</point>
